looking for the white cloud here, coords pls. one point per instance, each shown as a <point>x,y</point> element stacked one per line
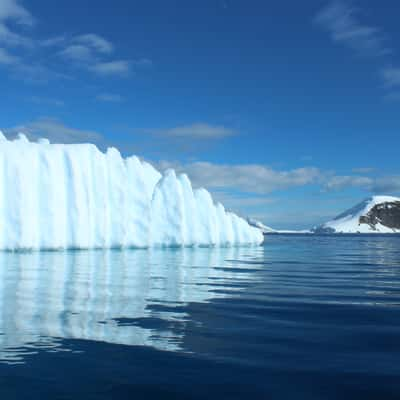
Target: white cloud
<point>387,184</point>
<point>12,39</point>
<point>46,101</point>
<point>53,41</point>
<point>28,72</point>
<point>306,158</point>
<point>87,51</point>
<point>340,20</point>
<point>56,132</point>
<point>87,48</point>
<point>77,52</point>
<point>36,73</point>
<point>393,96</point>
<point>383,184</point>
<point>7,58</point>
<point>260,179</point>
<point>12,10</point>
<point>391,77</point>
<point>119,68</point>
<point>95,42</point>
<point>363,170</point>
<point>196,131</point>
<point>251,178</point>
<point>344,182</point>
<point>143,62</point>
<point>110,97</point>
<point>236,202</point>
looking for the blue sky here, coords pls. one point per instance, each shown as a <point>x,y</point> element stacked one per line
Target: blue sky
<point>286,111</point>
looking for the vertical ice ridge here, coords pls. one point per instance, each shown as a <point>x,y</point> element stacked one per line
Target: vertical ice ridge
<point>55,196</point>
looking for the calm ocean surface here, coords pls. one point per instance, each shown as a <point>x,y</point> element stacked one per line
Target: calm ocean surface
<point>303,317</point>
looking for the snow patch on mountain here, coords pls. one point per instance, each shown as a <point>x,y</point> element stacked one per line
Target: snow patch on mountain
<point>260,225</point>
<point>267,230</point>
<point>374,215</point>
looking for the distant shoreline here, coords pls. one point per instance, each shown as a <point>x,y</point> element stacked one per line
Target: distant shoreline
<point>370,234</point>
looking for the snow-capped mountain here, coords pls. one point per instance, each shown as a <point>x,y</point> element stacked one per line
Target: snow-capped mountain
<point>260,225</point>
<point>266,229</point>
<point>377,214</point>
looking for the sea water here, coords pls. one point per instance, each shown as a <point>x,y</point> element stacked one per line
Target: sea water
<point>301,317</point>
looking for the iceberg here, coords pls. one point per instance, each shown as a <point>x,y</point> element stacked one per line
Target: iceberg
<point>73,196</point>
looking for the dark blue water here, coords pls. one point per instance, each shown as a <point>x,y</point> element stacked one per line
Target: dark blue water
<point>304,317</point>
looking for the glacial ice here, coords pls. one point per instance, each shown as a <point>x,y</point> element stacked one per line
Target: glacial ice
<point>56,196</point>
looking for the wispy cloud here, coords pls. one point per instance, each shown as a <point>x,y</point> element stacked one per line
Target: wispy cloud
<point>345,182</point>
<point>383,184</point>
<point>244,204</point>
<point>46,101</point>
<point>56,132</point>
<point>342,22</point>
<point>387,184</point>
<point>363,170</point>
<point>260,179</point>
<point>196,131</point>
<point>252,178</point>
<point>12,9</point>
<point>92,52</point>
<point>392,96</point>
<point>13,13</point>
<point>6,58</point>
<point>240,202</point>
<point>10,38</point>
<point>391,77</point>
<point>121,68</point>
<point>53,41</point>
<point>29,72</point>
<point>78,52</point>
<point>142,62</point>
<point>86,51</point>
<point>110,97</point>
<point>95,42</point>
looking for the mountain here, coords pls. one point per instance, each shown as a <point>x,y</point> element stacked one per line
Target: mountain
<point>377,214</point>
<point>260,225</point>
<point>268,230</point>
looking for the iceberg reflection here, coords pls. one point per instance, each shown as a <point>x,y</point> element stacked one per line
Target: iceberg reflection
<point>124,297</point>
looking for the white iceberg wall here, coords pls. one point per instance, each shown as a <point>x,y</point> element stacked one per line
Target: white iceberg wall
<point>55,196</point>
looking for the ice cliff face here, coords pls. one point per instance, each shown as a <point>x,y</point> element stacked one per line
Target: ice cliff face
<point>55,196</point>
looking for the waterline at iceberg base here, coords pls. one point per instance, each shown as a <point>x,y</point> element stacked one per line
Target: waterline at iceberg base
<point>56,196</point>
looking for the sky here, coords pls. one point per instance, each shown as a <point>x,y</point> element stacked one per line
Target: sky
<point>286,111</point>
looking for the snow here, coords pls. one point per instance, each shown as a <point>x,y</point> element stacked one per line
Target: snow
<point>267,230</point>
<point>294,232</point>
<point>260,225</point>
<point>56,196</point>
<point>348,222</point>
